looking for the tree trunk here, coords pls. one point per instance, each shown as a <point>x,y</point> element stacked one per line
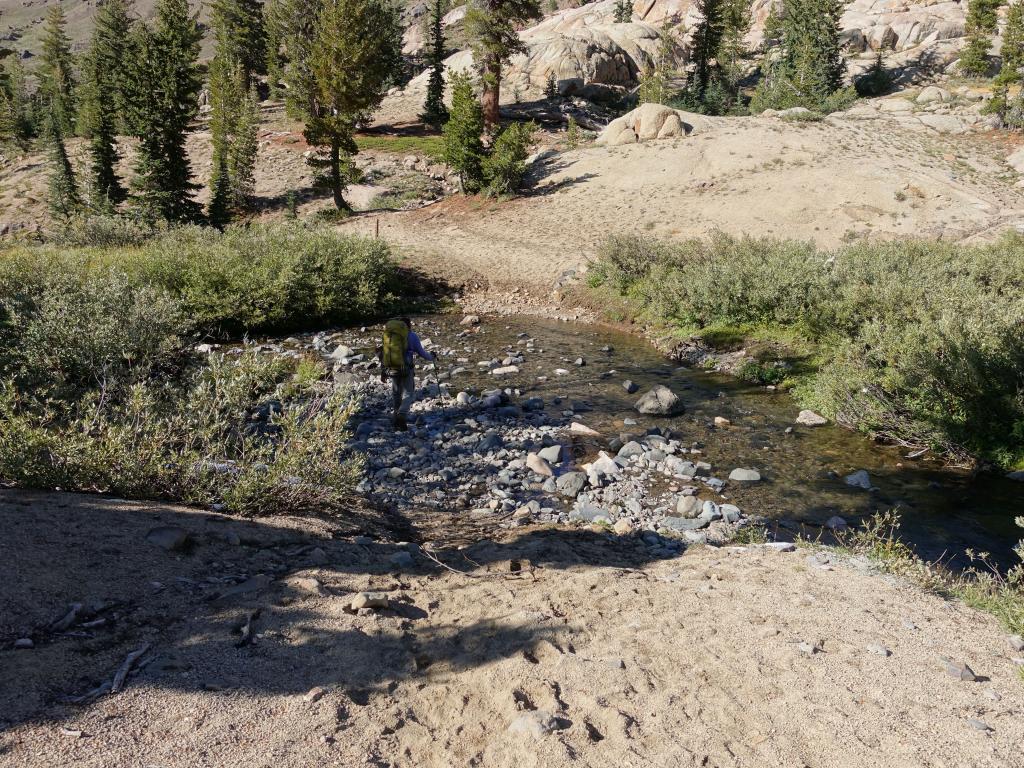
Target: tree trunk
<point>337,185</point>
<point>491,92</point>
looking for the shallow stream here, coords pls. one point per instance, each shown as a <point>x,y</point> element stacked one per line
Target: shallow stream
<point>944,512</point>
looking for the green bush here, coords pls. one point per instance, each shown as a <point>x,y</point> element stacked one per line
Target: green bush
<point>918,342</point>
<point>191,440</point>
<point>505,164</point>
<point>251,279</point>
<point>102,231</point>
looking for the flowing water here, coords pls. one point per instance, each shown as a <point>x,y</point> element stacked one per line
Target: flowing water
<point>944,512</point>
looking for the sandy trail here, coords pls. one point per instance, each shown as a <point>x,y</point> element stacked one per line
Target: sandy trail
<point>830,182</point>
<point>632,662</point>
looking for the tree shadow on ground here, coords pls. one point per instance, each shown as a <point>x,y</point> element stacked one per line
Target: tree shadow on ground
<point>291,579</point>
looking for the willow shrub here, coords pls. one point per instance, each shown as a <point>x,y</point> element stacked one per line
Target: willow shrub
<point>918,342</point>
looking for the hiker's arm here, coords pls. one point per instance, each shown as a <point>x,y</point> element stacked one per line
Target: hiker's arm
<point>417,347</point>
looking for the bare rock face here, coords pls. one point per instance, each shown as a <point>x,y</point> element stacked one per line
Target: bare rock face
<point>653,121</point>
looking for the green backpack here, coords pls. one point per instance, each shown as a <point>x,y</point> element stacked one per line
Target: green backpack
<point>396,342</point>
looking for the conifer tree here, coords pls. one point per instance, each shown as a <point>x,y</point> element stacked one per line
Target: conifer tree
<point>219,211</point>
<point>56,76</point>
<point>239,33</point>
<point>355,51</point>
<point>244,150</point>
<point>103,99</point>
<point>492,26</point>
<point>982,24</point>
<point>163,88</point>
<point>736,19</point>
<point>463,149</point>
<point>623,12</point>
<point>273,34</point>
<point>706,41</point>
<point>434,110</point>
<point>1012,50</point>
<point>16,119</point>
<point>62,199</point>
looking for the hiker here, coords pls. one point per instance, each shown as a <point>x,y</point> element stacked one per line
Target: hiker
<point>397,363</point>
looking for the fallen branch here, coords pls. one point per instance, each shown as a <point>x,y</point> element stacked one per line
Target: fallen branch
<point>69,618</point>
<point>126,667</point>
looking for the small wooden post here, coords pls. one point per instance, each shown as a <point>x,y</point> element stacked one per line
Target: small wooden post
<point>376,229</point>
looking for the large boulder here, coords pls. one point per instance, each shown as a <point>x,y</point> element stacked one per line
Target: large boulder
<point>653,121</point>
<point>660,401</point>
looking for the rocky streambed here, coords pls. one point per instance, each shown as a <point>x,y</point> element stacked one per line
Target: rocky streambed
<point>525,420</point>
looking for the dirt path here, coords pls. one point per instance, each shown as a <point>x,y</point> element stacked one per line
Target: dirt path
<point>563,648</point>
<point>832,182</point>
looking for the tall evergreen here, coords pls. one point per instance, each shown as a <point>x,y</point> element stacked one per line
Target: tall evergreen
<point>463,150</point>
<point>355,52</point>
<point>732,48</point>
<point>434,110</point>
<point>17,122</point>
<point>273,38</point>
<point>623,11</point>
<point>163,88</point>
<point>706,41</point>
<point>1012,50</point>
<point>56,75</point>
<point>982,24</point>
<point>219,212</point>
<point>810,67</point>
<point>492,26</point>
<point>103,99</point>
<point>244,150</point>
<point>239,33</point>
<point>62,198</point>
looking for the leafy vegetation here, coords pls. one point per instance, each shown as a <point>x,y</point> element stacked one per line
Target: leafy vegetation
<point>917,342</point>
<point>99,390</point>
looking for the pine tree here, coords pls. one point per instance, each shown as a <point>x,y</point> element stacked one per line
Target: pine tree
<point>623,12</point>
<point>434,110</point>
<point>16,119</point>
<point>982,24</point>
<point>219,211</point>
<point>244,151</point>
<point>103,99</point>
<point>63,199</point>
<point>163,88</point>
<point>1012,50</point>
<point>492,27</point>
<point>273,34</point>
<point>706,41</point>
<point>810,67</point>
<point>732,48</point>
<point>56,76</point>
<point>239,33</point>
<point>463,149</point>
<point>354,52</point>
<point>654,82</point>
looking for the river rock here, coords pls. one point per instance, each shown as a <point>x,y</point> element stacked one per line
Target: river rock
<point>960,671</point>
<point>688,507</point>
<point>630,387</point>
<point>836,523</point>
<point>536,724</point>
<point>745,476</point>
<point>623,527</point>
<point>1017,475</point>
<point>505,370</point>
<point>681,524</point>
<point>571,484</point>
<point>730,513</point>
<point>859,479</point>
<point>24,643</point>
<point>630,449</point>
<point>470,320</point>
<point>811,419</point>
<point>577,428</point>
<point>341,352</point>
<point>168,537</point>
<point>659,401</point>
<point>591,513</point>
<point>1016,642</point>
<point>552,454</point>
<point>538,465</point>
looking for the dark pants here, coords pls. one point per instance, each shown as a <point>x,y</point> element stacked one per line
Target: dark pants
<point>403,391</point>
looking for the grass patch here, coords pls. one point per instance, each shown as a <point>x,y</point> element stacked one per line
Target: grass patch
<point>430,146</point>
<point>920,343</point>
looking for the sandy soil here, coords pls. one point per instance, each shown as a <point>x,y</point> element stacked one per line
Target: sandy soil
<point>831,182</point>
<point>558,648</point>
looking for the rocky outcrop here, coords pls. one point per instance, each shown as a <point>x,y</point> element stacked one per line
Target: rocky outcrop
<point>653,121</point>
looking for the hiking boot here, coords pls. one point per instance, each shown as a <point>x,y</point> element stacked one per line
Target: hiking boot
<point>401,425</point>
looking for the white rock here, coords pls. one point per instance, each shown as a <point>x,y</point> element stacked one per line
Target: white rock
<point>810,419</point>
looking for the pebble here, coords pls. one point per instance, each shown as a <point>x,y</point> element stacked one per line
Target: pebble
<point>536,724</point>
<point>879,649</point>
<point>314,695</point>
<point>369,600</point>
<point>859,479</point>
<point>836,523</point>
<point>630,387</point>
<point>168,537</point>
<point>978,725</point>
<point>721,421</point>
<point>1016,642</point>
<point>24,643</point>
<point>810,419</point>
<point>780,546</point>
<point>808,649</point>
<point>960,671</point>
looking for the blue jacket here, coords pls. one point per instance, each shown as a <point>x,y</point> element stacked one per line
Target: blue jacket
<point>415,347</point>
